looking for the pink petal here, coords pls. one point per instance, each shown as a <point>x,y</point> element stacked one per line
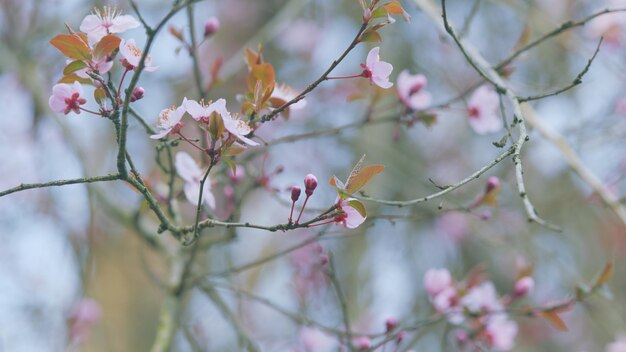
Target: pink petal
<point>187,168</point>
<point>381,82</point>
<point>90,23</point>
<point>486,123</point>
<point>196,110</point>
<point>372,57</point>
<point>123,23</point>
<point>354,218</point>
<point>381,69</point>
<point>57,103</point>
<point>420,101</point>
<point>192,192</point>
<point>161,134</point>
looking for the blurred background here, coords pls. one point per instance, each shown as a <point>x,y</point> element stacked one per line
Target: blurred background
<point>77,274</point>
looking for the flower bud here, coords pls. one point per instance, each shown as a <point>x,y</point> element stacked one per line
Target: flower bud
<point>401,336</point>
<point>324,259</point>
<point>390,324</point>
<point>137,94</point>
<point>295,193</point>
<point>362,343</point>
<point>211,26</point>
<point>310,183</point>
<point>523,286</point>
<point>492,184</point>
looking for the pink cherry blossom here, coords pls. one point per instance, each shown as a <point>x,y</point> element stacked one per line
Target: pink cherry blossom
<point>131,52</point>
<point>234,125</point>
<point>84,315</point>
<point>109,20</point>
<point>523,286</point>
<point>200,111</point>
<point>437,280</point>
<point>500,332</point>
<point>169,121</point>
<point>349,216</point>
<point>187,168</point>
<point>377,71</point>
<point>482,298</point>
<point>211,26</point>
<point>286,93</point>
<point>482,108</point>
<point>67,97</point>
<point>411,90</point>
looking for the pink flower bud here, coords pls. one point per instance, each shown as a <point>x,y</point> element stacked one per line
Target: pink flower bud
<point>362,342</point>
<point>390,324</point>
<point>367,15</point>
<point>523,286</point>
<point>493,183</point>
<point>324,259</point>
<point>295,193</point>
<point>229,192</point>
<point>137,94</point>
<point>401,336</point>
<point>237,175</point>
<point>310,183</point>
<point>211,26</point>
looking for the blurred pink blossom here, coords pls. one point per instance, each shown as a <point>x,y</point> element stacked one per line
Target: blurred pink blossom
<point>286,94</point>
<point>523,286</point>
<point>211,26</point>
<point>482,108</point>
<point>619,345</point>
<point>67,97</point>
<point>482,298</point>
<point>83,316</point>
<point>500,332</point>
<point>109,20</point>
<point>437,280</point>
<point>187,168</point>
<point>412,92</point>
<point>377,71</point>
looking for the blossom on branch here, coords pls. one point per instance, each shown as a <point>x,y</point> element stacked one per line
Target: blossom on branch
<point>377,71</point>
<point>169,121</point>
<point>132,54</point>
<point>106,21</point>
<point>187,168</point>
<point>349,215</point>
<point>482,108</point>
<point>411,90</point>
<point>67,97</point>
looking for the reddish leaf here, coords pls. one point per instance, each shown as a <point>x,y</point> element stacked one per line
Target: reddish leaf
<point>553,318</point>
<point>106,46</point>
<point>72,46</point>
<point>359,179</point>
<point>605,276</point>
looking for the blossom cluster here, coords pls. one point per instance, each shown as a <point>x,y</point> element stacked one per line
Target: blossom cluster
<point>476,307</point>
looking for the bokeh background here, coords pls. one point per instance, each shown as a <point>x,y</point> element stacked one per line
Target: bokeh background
<point>63,245</point>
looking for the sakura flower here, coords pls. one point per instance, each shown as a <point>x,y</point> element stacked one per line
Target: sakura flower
<point>67,97</point>
<point>377,71</point>
<point>349,216</point>
<point>199,111</point>
<point>235,126</point>
<point>411,90</point>
<point>437,280</point>
<point>187,168</point>
<point>169,121</point>
<point>109,20</point>
<point>500,332</point>
<point>132,54</point>
<point>482,108</point>
<point>482,298</point>
<point>285,93</point>
<point>84,315</point>
<point>523,286</point>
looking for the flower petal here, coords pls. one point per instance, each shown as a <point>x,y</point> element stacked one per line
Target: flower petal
<point>123,23</point>
<point>187,168</point>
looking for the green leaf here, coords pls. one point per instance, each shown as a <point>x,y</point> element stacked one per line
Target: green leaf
<point>72,46</point>
<point>371,36</point>
<point>74,66</point>
<point>230,163</point>
<point>100,95</point>
<point>72,77</point>
<point>107,45</point>
<point>358,206</point>
<point>379,12</point>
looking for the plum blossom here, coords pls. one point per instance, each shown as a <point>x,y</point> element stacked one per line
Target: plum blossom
<point>200,111</point>
<point>482,108</point>
<point>109,20</point>
<point>169,121</point>
<point>377,71</point>
<point>437,280</point>
<point>349,216</point>
<point>286,93</point>
<point>523,286</point>
<point>500,332</point>
<point>482,298</point>
<point>84,315</point>
<point>411,90</point>
<point>239,129</point>
<point>67,97</point>
<point>132,54</point>
<point>187,168</point>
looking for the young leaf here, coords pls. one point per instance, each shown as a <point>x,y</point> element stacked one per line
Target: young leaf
<point>230,163</point>
<point>107,45</point>
<point>554,319</point>
<point>72,46</point>
<point>359,179</point>
<point>371,36</point>
<point>72,77</point>
<point>358,206</point>
<point>74,66</point>
<point>100,95</point>
<point>605,276</point>
<point>394,8</point>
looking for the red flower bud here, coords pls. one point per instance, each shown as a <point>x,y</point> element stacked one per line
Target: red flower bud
<point>211,26</point>
<point>137,94</point>
<point>391,324</point>
<point>492,183</point>
<point>523,286</point>
<point>295,193</point>
<point>310,183</point>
